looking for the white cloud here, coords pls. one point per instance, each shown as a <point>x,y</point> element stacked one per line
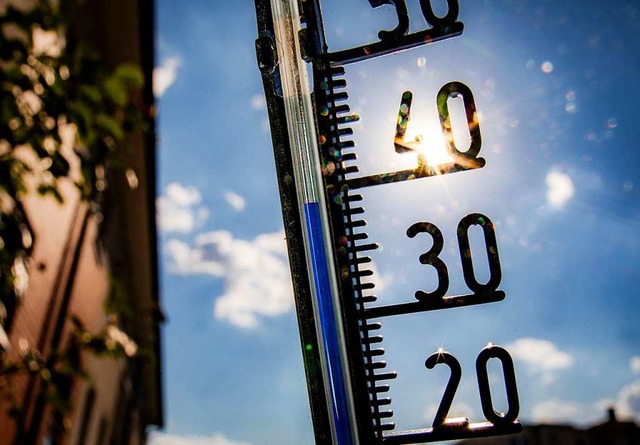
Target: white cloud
<point>634,364</point>
<point>557,411</point>
<point>627,407</point>
<point>542,357</point>
<point>256,273</point>
<point>540,354</point>
<point>235,200</point>
<point>165,75</point>
<point>560,188</point>
<point>628,404</point>
<point>179,209</point>
<point>546,378</point>
<point>185,260</point>
<point>170,439</point>
<point>257,102</point>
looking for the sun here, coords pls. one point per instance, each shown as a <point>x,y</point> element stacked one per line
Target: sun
<point>427,140</point>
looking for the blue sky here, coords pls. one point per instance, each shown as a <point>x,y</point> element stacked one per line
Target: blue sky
<point>555,86</point>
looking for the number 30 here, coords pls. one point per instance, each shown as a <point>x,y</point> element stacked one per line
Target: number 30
<point>431,257</point>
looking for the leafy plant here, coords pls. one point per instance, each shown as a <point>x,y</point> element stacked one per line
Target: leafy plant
<point>52,91</point>
<point>59,368</point>
<point>64,114</point>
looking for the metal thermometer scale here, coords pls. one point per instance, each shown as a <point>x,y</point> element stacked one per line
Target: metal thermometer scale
<point>322,192</point>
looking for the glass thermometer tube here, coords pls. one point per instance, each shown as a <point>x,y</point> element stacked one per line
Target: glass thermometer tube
<point>304,148</point>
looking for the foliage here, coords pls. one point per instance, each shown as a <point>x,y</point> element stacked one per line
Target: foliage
<point>58,369</point>
<point>49,88</point>
<point>63,116</point>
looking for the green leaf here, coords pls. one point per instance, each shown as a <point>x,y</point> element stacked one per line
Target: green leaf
<point>82,116</point>
<point>91,93</point>
<point>116,91</point>
<point>130,75</point>
<point>110,125</point>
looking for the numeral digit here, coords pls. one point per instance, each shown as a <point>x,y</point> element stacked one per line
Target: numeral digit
<point>489,352</point>
<point>492,253</point>
<point>469,158</point>
<point>452,384</point>
<point>404,114</point>
<point>490,414</point>
<point>431,257</point>
<point>440,22</point>
<point>403,19</point>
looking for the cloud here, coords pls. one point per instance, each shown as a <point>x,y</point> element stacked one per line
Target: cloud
<point>541,357</point>
<point>628,404</point>
<point>165,75</point>
<point>236,201</point>
<point>540,354</point>
<point>258,102</point>
<point>256,274</point>
<point>554,411</point>
<point>557,411</point>
<point>560,188</point>
<point>179,209</point>
<point>634,364</point>
<point>170,439</point>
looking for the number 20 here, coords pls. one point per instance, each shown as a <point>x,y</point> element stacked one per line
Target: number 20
<point>489,352</point>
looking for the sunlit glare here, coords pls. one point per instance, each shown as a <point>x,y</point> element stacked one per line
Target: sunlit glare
<point>429,144</point>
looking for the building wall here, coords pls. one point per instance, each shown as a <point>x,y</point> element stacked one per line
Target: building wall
<point>77,255</point>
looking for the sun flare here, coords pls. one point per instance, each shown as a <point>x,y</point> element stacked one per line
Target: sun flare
<point>428,146</point>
